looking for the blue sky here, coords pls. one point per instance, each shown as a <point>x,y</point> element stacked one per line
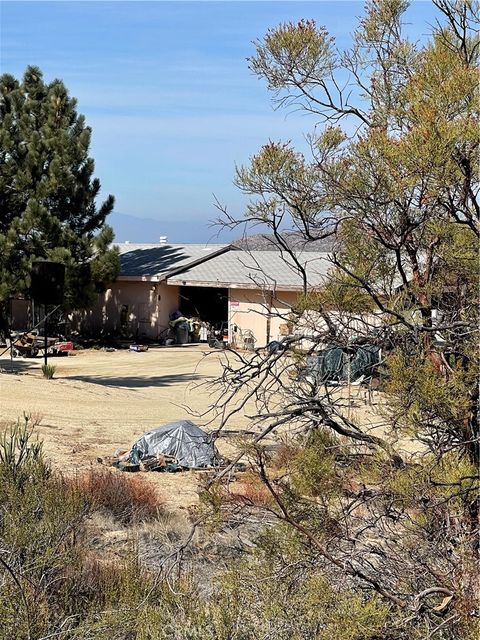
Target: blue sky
<point>167,90</point>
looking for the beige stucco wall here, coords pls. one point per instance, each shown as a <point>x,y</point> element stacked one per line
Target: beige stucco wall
<point>146,306</point>
<point>282,303</point>
<point>261,312</point>
<point>149,305</point>
<point>168,302</point>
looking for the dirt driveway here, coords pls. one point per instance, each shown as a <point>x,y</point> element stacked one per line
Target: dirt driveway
<point>99,402</point>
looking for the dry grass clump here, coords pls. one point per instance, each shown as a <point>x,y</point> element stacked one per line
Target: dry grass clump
<point>127,498</point>
<point>249,490</point>
<point>100,581</point>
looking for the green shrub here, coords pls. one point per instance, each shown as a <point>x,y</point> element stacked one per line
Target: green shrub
<point>48,370</point>
<point>39,519</point>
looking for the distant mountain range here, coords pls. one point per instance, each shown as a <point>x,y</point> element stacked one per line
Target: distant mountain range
<point>133,229</point>
<point>268,242</point>
<point>129,228</point>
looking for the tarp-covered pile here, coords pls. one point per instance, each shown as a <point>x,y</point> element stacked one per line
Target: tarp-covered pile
<point>337,364</point>
<point>183,440</point>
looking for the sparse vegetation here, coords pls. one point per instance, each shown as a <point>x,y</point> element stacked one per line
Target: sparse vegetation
<point>48,371</point>
<point>372,529</point>
<point>128,498</point>
<point>387,513</point>
<point>57,580</point>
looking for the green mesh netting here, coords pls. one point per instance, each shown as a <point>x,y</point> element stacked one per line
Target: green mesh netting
<point>334,363</point>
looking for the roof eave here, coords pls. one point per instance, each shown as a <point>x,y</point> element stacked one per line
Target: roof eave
<point>234,285</point>
<point>145,278</point>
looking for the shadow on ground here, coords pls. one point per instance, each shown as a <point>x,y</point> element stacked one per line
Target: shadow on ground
<point>17,366</point>
<point>135,382</point>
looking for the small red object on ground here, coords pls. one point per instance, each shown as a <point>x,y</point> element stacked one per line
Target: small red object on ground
<point>61,347</point>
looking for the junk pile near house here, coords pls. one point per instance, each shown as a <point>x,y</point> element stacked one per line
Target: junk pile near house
<point>175,446</point>
<point>30,344</point>
<point>217,335</point>
<point>184,330</point>
<point>180,328</point>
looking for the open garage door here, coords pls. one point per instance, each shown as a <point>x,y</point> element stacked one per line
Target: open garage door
<point>210,304</point>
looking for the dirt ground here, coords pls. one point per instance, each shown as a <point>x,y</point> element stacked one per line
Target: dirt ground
<point>99,402</point>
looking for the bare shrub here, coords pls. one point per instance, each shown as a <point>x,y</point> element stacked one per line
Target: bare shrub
<point>127,498</point>
<point>249,490</point>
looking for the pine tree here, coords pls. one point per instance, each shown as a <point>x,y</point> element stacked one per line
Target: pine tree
<point>48,194</point>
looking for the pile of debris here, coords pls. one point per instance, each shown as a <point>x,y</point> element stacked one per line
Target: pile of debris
<point>29,344</point>
<point>138,348</point>
<point>173,447</point>
<point>150,463</point>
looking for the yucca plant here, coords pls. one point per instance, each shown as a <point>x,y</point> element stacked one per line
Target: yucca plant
<point>48,370</point>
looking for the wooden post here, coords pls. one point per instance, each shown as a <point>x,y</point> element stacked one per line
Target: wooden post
<point>269,315</point>
<point>45,357</point>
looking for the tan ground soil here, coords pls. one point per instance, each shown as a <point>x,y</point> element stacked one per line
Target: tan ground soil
<point>99,402</point>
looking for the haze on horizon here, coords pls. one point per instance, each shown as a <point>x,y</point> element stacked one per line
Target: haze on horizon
<point>166,88</point>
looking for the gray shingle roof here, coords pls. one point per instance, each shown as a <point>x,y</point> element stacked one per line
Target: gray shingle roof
<point>296,241</point>
<point>144,260</point>
<point>255,269</point>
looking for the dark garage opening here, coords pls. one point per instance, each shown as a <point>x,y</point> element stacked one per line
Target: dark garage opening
<point>210,304</point>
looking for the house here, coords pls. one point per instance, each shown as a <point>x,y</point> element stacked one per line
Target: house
<point>244,290</point>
